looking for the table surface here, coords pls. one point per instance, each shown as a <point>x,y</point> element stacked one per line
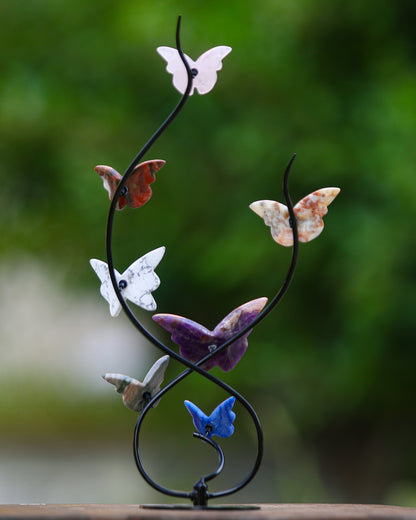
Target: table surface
<point>264,512</point>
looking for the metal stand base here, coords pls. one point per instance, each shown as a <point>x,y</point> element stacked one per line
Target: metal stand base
<point>229,507</point>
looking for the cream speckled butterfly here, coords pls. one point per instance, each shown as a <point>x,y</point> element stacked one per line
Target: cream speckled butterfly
<point>309,212</point>
<point>136,283</point>
<point>136,394</point>
<point>204,69</point>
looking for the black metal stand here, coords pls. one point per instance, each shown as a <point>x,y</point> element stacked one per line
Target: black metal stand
<point>199,495</point>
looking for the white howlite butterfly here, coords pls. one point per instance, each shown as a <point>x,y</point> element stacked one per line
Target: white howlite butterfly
<point>136,283</point>
<point>309,212</point>
<point>136,394</point>
<point>204,69</point>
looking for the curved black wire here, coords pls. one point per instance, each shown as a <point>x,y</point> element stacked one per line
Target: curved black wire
<point>191,367</point>
<point>120,187</point>
<point>226,387</point>
<point>200,495</point>
<point>220,455</point>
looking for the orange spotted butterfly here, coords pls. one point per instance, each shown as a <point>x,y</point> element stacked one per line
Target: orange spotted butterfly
<point>309,212</point>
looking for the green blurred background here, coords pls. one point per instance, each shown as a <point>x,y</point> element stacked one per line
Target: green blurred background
<point>331,371</point>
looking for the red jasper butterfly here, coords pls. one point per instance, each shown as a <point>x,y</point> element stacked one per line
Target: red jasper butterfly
<point>137,190</point>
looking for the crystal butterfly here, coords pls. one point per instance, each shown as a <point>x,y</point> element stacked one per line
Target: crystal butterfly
<point>204,69</point>
<point>136,191</point>
<point>196,341</point>
<point>136,394</point>
<point>136,283</point>
<point>309,212</point>
<point>219,423</point>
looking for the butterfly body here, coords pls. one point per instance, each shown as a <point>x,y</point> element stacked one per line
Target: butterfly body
<point>204,69</point>
<point>137,187</point>
<point>219,423</point>
<point>308,211</point>
<point>135,393</point>
<point>136,283</point>
<point>196,341</point>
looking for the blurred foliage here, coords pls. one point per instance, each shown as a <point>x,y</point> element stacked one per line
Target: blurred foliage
<point>81,84</point>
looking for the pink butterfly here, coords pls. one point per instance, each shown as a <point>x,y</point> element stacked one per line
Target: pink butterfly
<point>204,69</point>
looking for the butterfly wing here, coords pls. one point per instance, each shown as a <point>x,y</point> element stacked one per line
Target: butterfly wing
<point>176,67</point>
<point>138,184</point>
<point>229,327</point>
<point>119,381</point>
<point>111,179</point>
<point>141,279</point>
<point>154,378</point>
<point>106,289</point>
<point>201,421</point>
<point>194,339</point>
<point>131,389</point>
<point>310,210</point>
<point>276,216</point>
<point>207,66</point>
<point>222,418</point>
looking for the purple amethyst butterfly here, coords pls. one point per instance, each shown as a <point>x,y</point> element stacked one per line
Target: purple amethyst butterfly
<point>196,341</point>
<point>219,423</point>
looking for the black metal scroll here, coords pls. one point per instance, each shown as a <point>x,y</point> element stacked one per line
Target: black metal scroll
<point>199,494</point>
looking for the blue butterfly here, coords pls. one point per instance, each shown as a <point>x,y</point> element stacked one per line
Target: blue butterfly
<point>219,423</point>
